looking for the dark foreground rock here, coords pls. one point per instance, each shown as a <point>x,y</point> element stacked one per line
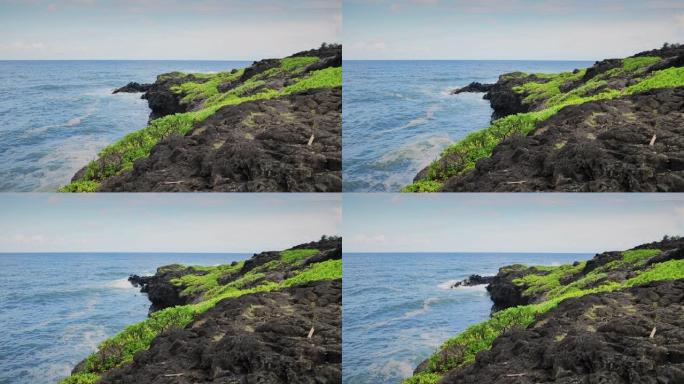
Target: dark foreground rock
<point>594,147</point>
<point>252,147</point>
<point>631,336</point>
<point>259,338</point>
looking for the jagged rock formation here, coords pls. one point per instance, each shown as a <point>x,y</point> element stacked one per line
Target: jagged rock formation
<point>616,126</point>
<point>473,280</point>
<point>272,127</point>
<point>617,318</point>
<point>274,318</point>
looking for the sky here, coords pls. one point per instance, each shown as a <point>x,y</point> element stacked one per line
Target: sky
<point>165,29</point>
<point>165,222</point>
<point>508,29</point>
<point>547,222</point>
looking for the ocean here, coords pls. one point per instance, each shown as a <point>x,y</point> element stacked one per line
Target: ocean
<point>56,308</point>
<point>398,308</point>
<point>56,115</point>
<point>399,115</point>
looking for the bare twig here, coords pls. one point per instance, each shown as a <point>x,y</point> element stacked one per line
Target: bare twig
<point>310,333</point>
<point>517,182</point>
<point>652,333</point>
<point>653,139</point>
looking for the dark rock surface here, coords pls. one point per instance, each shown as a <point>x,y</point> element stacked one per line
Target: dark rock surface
<point>258,338</point>
<point>159,289</point>
<point>474,87</point>
<point>260,146</point>
<point>601,338</point>
<point>473,280</point>
<point>133,87</point>
<point>594,147</point>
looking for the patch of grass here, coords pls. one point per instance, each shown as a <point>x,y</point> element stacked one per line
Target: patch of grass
<point>669,270</point>
<point>204,282</point>
<point>323,78</point>
<point>326,270</point>
<point>638,256</point>
<point>423,378</point>
<point>666,78</point>
<point>295,255</point>
<point>81,186</point>
<point>208,88</point>
<point>546,90</point>
<point>543,283</point>
<point>81,378</point>
<point>636,63</point>
<point>290,63</point>
<point>423,186</point>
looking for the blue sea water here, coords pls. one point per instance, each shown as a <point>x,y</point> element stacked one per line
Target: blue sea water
<point>56,115</point>
<point>398,308</point>
<point>56,308</point>
<point>399,115</point>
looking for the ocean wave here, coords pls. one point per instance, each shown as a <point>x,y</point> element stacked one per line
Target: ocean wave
<point>392,368</point>
<point>122,283</point>
<point>427,303</point>
<point>429,115</point>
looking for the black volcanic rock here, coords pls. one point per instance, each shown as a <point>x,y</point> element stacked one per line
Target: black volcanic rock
<point>473,280</point>
<point>133,87</point>
<point>473,87</point>
<point>258,338</point>
<point>257,146</point>
<point>630,336</point>
<point>593,147</point>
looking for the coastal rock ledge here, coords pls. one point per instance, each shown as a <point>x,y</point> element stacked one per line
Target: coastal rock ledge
<point>275,126</point>
<point>274,318</point>
<point>615,319</point>
<point>613,127</point>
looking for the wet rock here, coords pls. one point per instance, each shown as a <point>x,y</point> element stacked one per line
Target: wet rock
<point>473,87</point>
<point>598,338</point>
<point>133,87</point>
<point>473,280</point>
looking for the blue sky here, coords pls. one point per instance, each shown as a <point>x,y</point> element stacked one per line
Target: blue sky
<point>508,29</point>
<point>508,222</point>
<point>164,222</point>
<point>165,29</point>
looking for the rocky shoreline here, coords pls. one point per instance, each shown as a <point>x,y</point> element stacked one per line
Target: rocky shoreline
<point>613,127</point>
<point>272,127</point>
<point>273,318</point>
<point>616,318</point>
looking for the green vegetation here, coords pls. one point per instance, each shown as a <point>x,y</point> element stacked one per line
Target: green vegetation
<point>81,378</point>
<point>203,90</point>
<point>464,154</point>
<point>423,186</point>
<point>120,156</point>
<point>120,349</point>
<point>546,90</point>
<point>462,349</point>
<point>81,186</point>
<point>549,280</point>
<point>295,255</point>
<point>290,63</point>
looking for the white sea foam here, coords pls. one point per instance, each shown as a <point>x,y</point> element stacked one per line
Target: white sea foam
<point>389,369</point>
<point>429,115</point>
<point>426,307</point>
<point>447,284</point>
<point>120,284</point>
